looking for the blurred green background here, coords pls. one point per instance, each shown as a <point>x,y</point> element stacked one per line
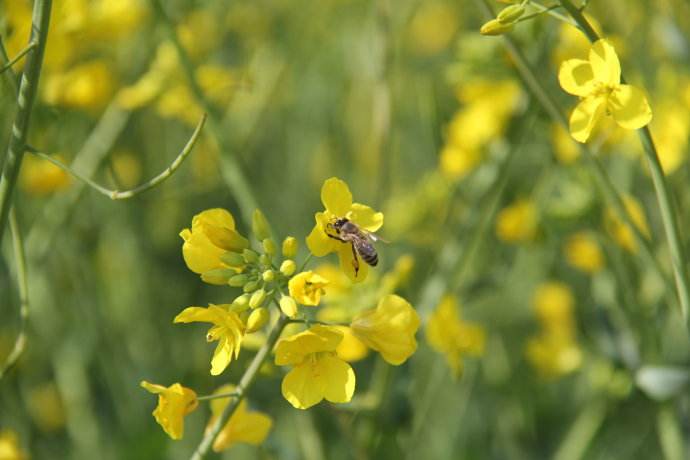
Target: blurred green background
<point>427,121</point>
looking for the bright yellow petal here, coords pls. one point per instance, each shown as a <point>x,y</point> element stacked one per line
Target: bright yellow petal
<point>576,77</point>
<point>629,107</point>
<point>217,217</point>
<point>318,242</point>
<point>199,253</point>
<point>351,349</point>
<point>347,258</point>
<point>195,314</point>
<point>587,113</point>
<point>152,387</point>
<point>338,379</point>
<point>300,387</point>
<point>293,349</point>
<point>365,217</point>
<point>336,196</point>
<point>221,357</point>
<point>604,61</point>
<point>244,426</point>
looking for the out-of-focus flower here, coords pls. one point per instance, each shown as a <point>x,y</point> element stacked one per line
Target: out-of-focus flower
<point>456,162</point>
<point>432,27</point>
<point>517,222</point>
<point>41,177</point>
<point>307,288</point>
<point>564,148</point>
<point>87,86</point>
<point>46,408</point>
<point>620,231</point>
<point>553,303</point>
<point>597,83</point>
<point>195,43</point>
<point>390,329</point>
<point>317,373</point>
<point>553,355</point>
<point>337,199</point>
<point>582,251</point>
<point>227,328</point>
<point>244,426</point>
<point>212,235</point>
<point>448,334</point>
<point>174,402</point>
<point>9,446</point>
<point>671,129</point>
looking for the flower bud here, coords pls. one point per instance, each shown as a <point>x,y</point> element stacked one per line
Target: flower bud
<point>265,260</point>
<point>252,286</point>
<point>269,246</point>
<point>217,276</point>
<point>290,247</point>
<point>260,226</point>
<point>238,280</point>
<point>510,14</point>
<point>257,298</point>
<point>288,267</point>
<point>257,319</point>
<point>268,276</point>
<point>495,27</point>
<point>250,256</point>
<point>232,259</point>
<point>241,303</point>
<point>288,306</point>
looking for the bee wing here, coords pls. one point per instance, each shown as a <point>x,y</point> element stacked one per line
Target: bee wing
<point>373,237</point>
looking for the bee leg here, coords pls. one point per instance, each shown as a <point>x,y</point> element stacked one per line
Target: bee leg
<point>336,238</point>
<point>355,262</point>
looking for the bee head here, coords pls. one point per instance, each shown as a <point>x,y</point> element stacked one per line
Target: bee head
<point>338,223</point>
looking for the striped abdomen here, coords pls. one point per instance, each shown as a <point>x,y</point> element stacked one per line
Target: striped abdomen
<point>367,252</point>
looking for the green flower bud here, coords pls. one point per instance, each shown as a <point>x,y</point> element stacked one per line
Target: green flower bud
<point>252,286</point>
<point>218,276</point>
<point>265,260</point>
<point>510,14</point>
<point>269,246</point>
<point>233,259</point>
<point>495,27</point>
<point>257,298</point>
<point>257,319</point>
<point>268,276</point>
<point>290,247</point>
<point>250,256</point>
<point>241,303</point>
<point>238,280</point>
<point>288,306</point>
<point>288,267</point>
<point>260,226</point>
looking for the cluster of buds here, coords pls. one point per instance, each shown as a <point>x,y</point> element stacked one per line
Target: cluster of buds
<point>505,20</point>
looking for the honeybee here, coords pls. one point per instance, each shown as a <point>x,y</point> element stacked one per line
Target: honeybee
<point>361,241</point>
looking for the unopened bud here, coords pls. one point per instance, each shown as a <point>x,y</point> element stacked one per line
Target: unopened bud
<point>257,298</point>
<point>288,267</point>
<point>495,27</point>
<point>269,246</point>
<point>510,14</point>
<point>268,276</point>
<point>241,303</point>
<point>218,276</point>
<point>288,306</point>
<point>260,226</point>
<point>290,247</point>
<point>233,259</point>
<point>250,256</point>
<point>257,319</point>
<point>238,280</point>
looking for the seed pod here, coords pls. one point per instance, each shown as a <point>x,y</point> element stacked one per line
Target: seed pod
<point>290,247</point>
<point>288,306</point>
<point>257,319</point>
<point>288,267</point>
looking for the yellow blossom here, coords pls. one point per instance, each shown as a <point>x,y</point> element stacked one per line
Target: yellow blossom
<point>671,129</point>
<point>317,373</point>
<point>553,302</point>
<point>41,177</point>
<point>517,222</point>
<point>307,288</point>
<point>583,252</point>
<point>620,231</point>
<point>565,150</point>
<point>456,162</point>
<point>244,426</point>
<point>85,86</point>
<point>174,402</point>
<point>389,328</point>
<point>227,328</point>
<point>212,235</point>
<point>432,27</point>
<point>350,349</point>
<point>337,199</point>
<point>9,446</point>
<point>288,306</point>
<point>553,355</point>
<point>448,334</point>
<point>598,84</point>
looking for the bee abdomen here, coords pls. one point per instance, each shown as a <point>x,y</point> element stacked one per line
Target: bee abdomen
<point>370,257</point>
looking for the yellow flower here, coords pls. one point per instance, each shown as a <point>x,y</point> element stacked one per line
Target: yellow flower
<point>41,177</point>
<point>174,402</point>
<point>350,349</point>
<point>212,235</point>
<point>432,27</point>
<point>85,86</point>
<point>553,302</point>
<point>456,162</point>
<point>564,148</point>
<point>227,328</point>
<point>517,222</point>
<point>620,231</point>
<point>337,199</point>
<point>390,329</point>
<point>597,83</point>
<point>46,407</point>
<point>317,373</point>
<point>553,355</point>
<point>307,288</point>
<point>583,252</point>
<point>671,128</point>
<point>244,426</point>
<point>448,334</point>
<point>9,446</point>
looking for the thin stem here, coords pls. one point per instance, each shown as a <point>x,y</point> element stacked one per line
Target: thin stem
<point>582,431</point>
<point>305,263</point>
<point>20,55</point>
<point>28,87</point>
<point>126,194</point>
<point>670,433</point>
<point>23,285</point>
<point>245,383</point>
<point>549,10</point>
<point>663,195</point>
<point>232,394</point>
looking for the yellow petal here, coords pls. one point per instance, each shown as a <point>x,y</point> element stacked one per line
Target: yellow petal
<point>629,107</point>
<point>301,387</point>
<point>350,349</point>
<point>293,349</point>
<point>347,258</point>
<point>318,242</point>
<point>216,216</point>
<point>604,61</point>
<point>244,426</point>
<point>576,77</point>
<point>199,253</point>
<point>336,196</point>
<point>365,217</point>
<point>321,377</point>
<point>221,357</point>
<point>337,379</point>
<point>587,113</point>
<point>195,314</point>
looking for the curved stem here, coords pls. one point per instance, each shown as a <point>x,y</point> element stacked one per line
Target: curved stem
<point>28,87</point>
<point>663,195</point>
<point>126,194</point>
<point>245,382</point>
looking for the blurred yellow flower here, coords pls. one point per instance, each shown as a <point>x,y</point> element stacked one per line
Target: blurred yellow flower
<point>390,329</point>
<point>350,349</point>
<point>565,150</point>
<point>553,355</point>
<point>41,177</point>
<point>212,235</point>
<point>227,328</point>
<point>671,130</point>
<point>317,373</point>
<point>433,27</point>
<point>620,231</point>
<point>9,446</point>
<point>517,222</point>
<point>174,402</point>
<point>244,426</point>
<point>195,43</point>
<point>114,20</point>
<point>46,408</point>
<point>307,288</point>
<point>582,251</point>
<point>448,334</point>
<point>597,83</point>
<point>553,303</point>
<point>456,162</point>
<point>337,199</point>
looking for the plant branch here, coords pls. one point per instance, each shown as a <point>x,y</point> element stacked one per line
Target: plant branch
<point>20,55</point>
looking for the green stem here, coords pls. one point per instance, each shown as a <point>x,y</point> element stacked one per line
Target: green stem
<point>22,282</point>
<point>20,55</point>
<point>126,194</point>
<point>245,383</point>
<point>232,394</point>
<point>663,195</point>
<point>28,87</point>
<point>583,430</point>
<point>670,433</point>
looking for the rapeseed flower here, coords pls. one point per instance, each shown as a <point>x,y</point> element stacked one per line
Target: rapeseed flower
<point>620,231</point>
<point>174,402</point>
<point>582,251</point>
<point>517,222</point>
<point>307,288</point>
